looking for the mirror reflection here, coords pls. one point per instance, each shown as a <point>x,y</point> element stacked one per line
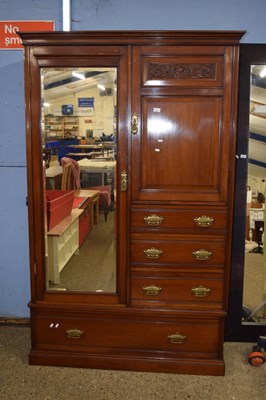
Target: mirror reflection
<point>79,159</point>
<point>254,293</point>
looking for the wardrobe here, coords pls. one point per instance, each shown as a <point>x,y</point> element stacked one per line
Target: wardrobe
<point>175,134</point>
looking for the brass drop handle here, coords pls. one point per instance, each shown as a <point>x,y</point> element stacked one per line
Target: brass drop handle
<point>124,181</point>
<point>74,333</point>
<point>204,221</point>
<point>153,220</point>
<point>202,254</point>
<point>176,338</point>
<point>152,290</point>
<point>200,291</point>
<point>134,124</point>
<point>153,253</point>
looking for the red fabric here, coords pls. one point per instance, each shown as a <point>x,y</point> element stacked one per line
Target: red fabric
<point>105,191</point>
<point>75,170</point>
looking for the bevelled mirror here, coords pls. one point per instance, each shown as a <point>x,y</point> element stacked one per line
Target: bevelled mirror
<point>247,308</point>
<point>78,130</point>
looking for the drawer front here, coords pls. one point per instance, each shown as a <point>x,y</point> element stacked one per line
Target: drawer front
<point>121,335</point>
<point>196,251</point>
<point>174,219</point>
<point>188,293</point>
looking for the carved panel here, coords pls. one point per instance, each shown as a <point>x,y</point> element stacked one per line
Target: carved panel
<point>185,71</point>
<point>182,71</point>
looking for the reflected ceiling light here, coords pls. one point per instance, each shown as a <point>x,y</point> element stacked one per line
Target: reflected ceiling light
<point>46,104</point>
<point>101,87</point>
<point>263,73</point>
<point>78,75</point>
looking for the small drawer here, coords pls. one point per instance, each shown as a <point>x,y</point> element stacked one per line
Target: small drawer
<point>193,251</point>
<point>180,336</point>
<point>188,293</point>
<point>201,220</point>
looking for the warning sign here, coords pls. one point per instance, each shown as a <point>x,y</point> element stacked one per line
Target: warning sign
<point>9,39</point>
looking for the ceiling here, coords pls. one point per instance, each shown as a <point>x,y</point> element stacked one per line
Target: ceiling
<point>59,82</point>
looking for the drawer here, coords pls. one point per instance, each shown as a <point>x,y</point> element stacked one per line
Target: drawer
<point>202,220</point>
<point>181,291</point>
<point>194,251</point>
<point>189,337</point>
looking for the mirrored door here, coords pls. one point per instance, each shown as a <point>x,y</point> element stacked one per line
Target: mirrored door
<point>78,156</point>
<point>79,150</point>
<point>247,307</point>
<point>254,289</point>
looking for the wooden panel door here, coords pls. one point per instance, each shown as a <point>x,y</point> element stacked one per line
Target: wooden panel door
<point>181,106</point>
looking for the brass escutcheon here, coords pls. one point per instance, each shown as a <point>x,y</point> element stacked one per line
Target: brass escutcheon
<point>204,221</point>
<point>153,220</point>
<point>134,124</point>
<point>176,338</point>
<point>202,254</point>
<point>74,333</point>
<point>152,253</point>
<point>124,181</point>
<point>200,291</point>
<point>152,290</point>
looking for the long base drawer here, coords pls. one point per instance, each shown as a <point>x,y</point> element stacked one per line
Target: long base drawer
<point>135,344</point>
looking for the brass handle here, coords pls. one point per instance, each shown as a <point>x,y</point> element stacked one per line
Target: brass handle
<point>204,221</point>
<point>202,254</point>
<point>74,333</point>
<point>200,291</point>
<point>152,253</point>
<point>152,290</point>
<point>177,338</point>
<point>153,219</point>
<point>134,124</point>
<point>124,181</point>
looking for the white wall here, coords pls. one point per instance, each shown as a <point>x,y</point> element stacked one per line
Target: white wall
<point>102,118</point>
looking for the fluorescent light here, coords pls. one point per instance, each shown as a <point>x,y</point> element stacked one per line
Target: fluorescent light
<point>101,87</point>
<point>66,15</point>
<point>78,75</point>
<point>263,73</point>
<point>46,104</point>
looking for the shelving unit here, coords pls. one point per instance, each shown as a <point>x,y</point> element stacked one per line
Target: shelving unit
<point>63,242</point>
<point>60,125</point>
<point>71,125</point>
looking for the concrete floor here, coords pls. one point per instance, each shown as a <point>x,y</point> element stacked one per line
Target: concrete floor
<point>19,381</point>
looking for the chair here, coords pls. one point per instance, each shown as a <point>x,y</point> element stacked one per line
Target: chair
<point>104,198</point>
<point>71,180</point>
<point>47,157</point>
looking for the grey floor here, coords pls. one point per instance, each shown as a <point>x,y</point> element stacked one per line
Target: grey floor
<point>20,381</point>
<point>94,268</point>
<point>253,279</point>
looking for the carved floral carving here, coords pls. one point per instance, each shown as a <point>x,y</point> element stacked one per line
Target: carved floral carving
<point>181,71</point>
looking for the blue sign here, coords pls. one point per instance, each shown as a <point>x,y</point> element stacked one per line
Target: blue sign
<point>87,102</point>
